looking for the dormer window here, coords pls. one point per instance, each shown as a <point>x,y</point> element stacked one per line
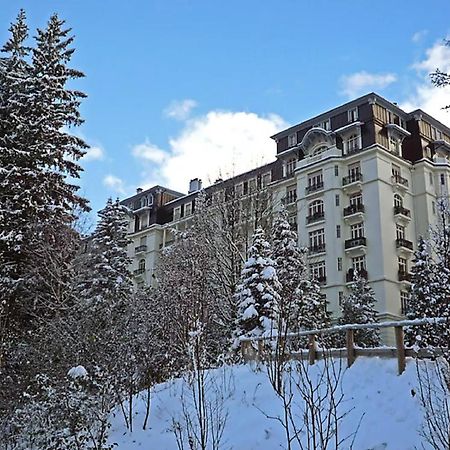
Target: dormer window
<point>292,140</point>
<point>290,166</point>
<point>353,115</point>
<point>319,150</point>
<point>351,143</point>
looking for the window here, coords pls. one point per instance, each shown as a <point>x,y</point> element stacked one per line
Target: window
<point>356,199</point>
<point>398,201</point>
<point>402,265</point>
<point>239,189</point>
<point>315,208</point>
<point>340,297</point>
<point>354,172</point>
<point>144,202</point>
<point>339,264</point>
<point>293,222</point>
<point>252,185</point>
<point>337,200</point>
<point>400,231</point>
<point>291,194</point>
<point>290,166</point>
<point>150,199</point>
<point>394,145</point>
<point>266,179</point>
<point>142,264</point>
<point>442,178</point>
<point>396,172</point>
<point>317,239</point>
<point>359,263</point>
<point>433,207</point>
<point>404,297</point>
<point>326,125</point>
<point>317,270</point>
<point>357,230</point>
<point>188,208</point>
<point>292,139</point>
<point>352,143</point>
<point>431,178</point>
<point>315,179</point>
<point>338,231</point>
<point>177,213</point>
<point>353,115</point>
<point>245,188</point>
<point>336,171</point>
<point>319,150</point>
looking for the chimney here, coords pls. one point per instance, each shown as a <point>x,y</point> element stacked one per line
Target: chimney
<point>195,185</point>
<point>138,190</point>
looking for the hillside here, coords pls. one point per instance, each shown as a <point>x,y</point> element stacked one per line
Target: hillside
<point>383,403</point>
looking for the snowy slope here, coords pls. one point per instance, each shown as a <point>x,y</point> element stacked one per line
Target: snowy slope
<point>391,415</point>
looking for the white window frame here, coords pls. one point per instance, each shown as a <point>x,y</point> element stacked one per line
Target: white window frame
<point>291,194</point>
<point>317,238</point>
<point>352,115</point>
<point>290,166</point>
<point>359,263</point>
<point>292,140</point>
<point>315,207</point>
<point>318,270</point>
<point>400,231</point>
<point>315,178</point>
<point>357,230</point>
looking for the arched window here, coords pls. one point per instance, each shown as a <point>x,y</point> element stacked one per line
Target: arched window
<point>315,208</point>
<point>144,201</point>
<point>142,264</point>
<point>319,150</point>
<point>398,201</point>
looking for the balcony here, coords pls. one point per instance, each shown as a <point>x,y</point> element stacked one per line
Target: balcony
<point>316,217</point>
<point>322,279</point>
<point>353,178</point>
<point>349,276</point>
<point>314,249</point>
<point>399,210</point>
<point>404,244</point>
<point>353,209</point>
<point>139,271</point>
<point>314,188</point>
<point>404,276</point>
<point>399,182</point>
<point>140,249</point>
<point>355,242</point>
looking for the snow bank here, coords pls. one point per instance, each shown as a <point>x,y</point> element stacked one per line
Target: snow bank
<point>384,402</point>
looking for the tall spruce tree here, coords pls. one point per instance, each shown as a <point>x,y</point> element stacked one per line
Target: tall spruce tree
<point>429,298</point>
<point>359,307</point>
<point>258,292</point>
<point>291,271</point>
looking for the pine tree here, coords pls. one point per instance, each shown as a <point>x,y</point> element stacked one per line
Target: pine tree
<point>429,298</point>
<point>258,292</point>
<point>291,271</point>
<point>106,279</point>
<point>359,307</point>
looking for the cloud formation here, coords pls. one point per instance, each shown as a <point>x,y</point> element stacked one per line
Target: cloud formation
<point>217,144</point>
<point>418,36</point>
<point>115,184</point>
<point>94,153</point>
<point>180,109</point>
<point>426,96</point>
<point>359,83</point>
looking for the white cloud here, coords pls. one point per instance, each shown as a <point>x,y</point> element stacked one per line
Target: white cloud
<point>218,144</point>
<point>94,153</point>
<point>362,82</point>
<point>149,152</point>
<point>115,184</point>
<point>418,36</point>
<point>180,109</point>
<point>426,96</point>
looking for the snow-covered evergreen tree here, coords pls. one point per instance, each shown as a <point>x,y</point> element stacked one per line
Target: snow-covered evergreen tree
<point>291,271</point>
<point>258,292</point>
<point>107,280</point>
<point>359,307</point>
<point>429,298</point>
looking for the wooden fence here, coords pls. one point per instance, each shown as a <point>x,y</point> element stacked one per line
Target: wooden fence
<point>250,351</point>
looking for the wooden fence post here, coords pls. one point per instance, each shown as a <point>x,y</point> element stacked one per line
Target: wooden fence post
<point>350,348</point>
<point>311,349</point>
<point>400,344</point>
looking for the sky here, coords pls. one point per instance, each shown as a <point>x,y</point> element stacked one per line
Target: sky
<point>179,89</point>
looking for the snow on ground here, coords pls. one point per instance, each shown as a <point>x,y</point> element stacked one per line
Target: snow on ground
<point>390,414</point>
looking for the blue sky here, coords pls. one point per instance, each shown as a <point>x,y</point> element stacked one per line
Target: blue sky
<point>186,88</point>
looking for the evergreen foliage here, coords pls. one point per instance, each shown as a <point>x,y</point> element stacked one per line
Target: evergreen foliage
<point>258,292</point>
<point>359,307</point>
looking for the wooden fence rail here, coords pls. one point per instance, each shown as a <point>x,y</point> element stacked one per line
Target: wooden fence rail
<point>249,352</point>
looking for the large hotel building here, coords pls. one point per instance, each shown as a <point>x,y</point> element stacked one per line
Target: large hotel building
<point>360,183</point>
